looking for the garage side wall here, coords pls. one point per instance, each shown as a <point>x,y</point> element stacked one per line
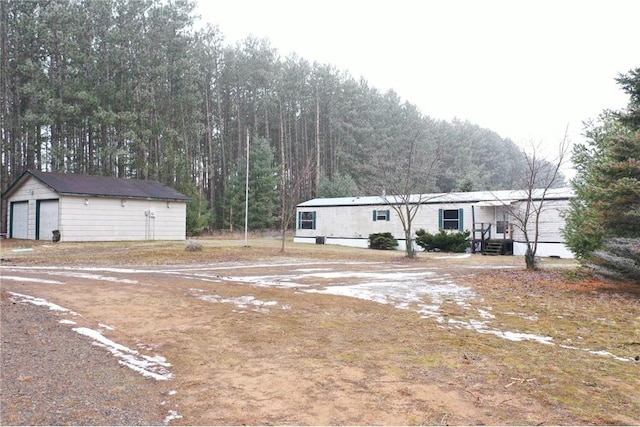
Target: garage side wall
<point>111,219</point>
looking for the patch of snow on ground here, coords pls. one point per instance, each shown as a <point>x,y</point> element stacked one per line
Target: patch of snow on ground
<point>293,280</point>
<point>32,279</point>
<point>525,316</point>
<point>485,314</point>
<point>244,302</point>
<point>93,277</point>
<point>482,328</point>
<point>425,295</point>
<point>149,366</point>
<point>392,275</point>
<point>41,302</point>
<point>173,415</point>
<point>277,281</point>
<point>104,269</point>
<point>596,352</point>
<point>67,322</point>
<point>606,353</point>
<point>404,291</point>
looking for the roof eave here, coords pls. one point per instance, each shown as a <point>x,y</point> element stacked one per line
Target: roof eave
<point>9,191</point>
<point>122,196</point>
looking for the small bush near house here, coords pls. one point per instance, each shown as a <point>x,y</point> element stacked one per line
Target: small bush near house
<point>443,241</point>
<point>383,241</point>
<point>193,246</point>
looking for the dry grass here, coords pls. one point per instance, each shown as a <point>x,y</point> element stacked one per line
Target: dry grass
<point>224,249</point>
<point>578,312</point>
<point>336,360</point>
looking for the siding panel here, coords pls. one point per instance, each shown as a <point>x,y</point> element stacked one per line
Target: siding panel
<point>353,223</point>
<point>105,219</point>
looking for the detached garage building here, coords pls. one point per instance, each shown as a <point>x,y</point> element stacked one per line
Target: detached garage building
<point>93,208</point>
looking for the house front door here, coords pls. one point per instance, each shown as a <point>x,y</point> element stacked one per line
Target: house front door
<point>502,227</point>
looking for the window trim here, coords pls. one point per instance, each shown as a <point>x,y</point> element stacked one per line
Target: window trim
<point>305,221</point>
<point>459,220</point>
<point>381,215</point>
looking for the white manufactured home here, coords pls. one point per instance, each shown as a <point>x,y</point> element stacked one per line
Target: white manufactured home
<point>67,207</point>
<point>490,216</point>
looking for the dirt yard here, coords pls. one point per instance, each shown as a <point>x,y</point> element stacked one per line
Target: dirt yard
<point>235,335</point>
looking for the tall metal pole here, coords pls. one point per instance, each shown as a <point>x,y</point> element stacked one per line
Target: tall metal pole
<point>246,199</point>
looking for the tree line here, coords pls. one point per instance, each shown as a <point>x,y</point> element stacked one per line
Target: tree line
<point>131,89</point>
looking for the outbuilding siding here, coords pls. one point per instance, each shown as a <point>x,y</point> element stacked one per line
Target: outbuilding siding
<point>106,219</point>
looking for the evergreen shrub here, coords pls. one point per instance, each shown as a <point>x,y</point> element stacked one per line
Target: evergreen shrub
<point>446,241</point>
<point>384,241</point>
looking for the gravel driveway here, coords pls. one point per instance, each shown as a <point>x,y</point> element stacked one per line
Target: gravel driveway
<point>87,387</point>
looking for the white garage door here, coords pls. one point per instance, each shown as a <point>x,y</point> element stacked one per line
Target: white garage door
<point>19,220</point>
<point>47,219</point>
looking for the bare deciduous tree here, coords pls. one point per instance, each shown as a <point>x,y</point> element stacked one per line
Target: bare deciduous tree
<point>404,166</point>
<point>540,176</point>
<point>407,188</point>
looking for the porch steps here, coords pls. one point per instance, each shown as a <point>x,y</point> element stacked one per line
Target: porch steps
<point>493,248</point>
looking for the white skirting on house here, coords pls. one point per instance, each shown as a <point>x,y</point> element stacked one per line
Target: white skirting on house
<point>545,249</point>
<point>355,242</point>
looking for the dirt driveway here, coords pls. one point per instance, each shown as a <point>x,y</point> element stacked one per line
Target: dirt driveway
<point>332,336</point>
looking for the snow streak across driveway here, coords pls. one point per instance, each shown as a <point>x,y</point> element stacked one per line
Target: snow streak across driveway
<point>149,366</point>
<point>421,289</point>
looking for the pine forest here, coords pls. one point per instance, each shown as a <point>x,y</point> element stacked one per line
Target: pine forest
<point>132,89</point>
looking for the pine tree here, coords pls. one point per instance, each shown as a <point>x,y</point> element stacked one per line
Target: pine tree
<point>607,184</point>
<point>263,190</point>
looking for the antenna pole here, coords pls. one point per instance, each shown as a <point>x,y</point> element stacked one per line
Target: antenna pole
<point>246,199</point>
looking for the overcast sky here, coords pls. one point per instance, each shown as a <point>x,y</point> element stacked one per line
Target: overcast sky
<point>524,69</point>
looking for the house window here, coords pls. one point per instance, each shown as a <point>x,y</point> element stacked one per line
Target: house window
<point>307,220</point>
<point>381,215</point>
<point>450,219</point>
